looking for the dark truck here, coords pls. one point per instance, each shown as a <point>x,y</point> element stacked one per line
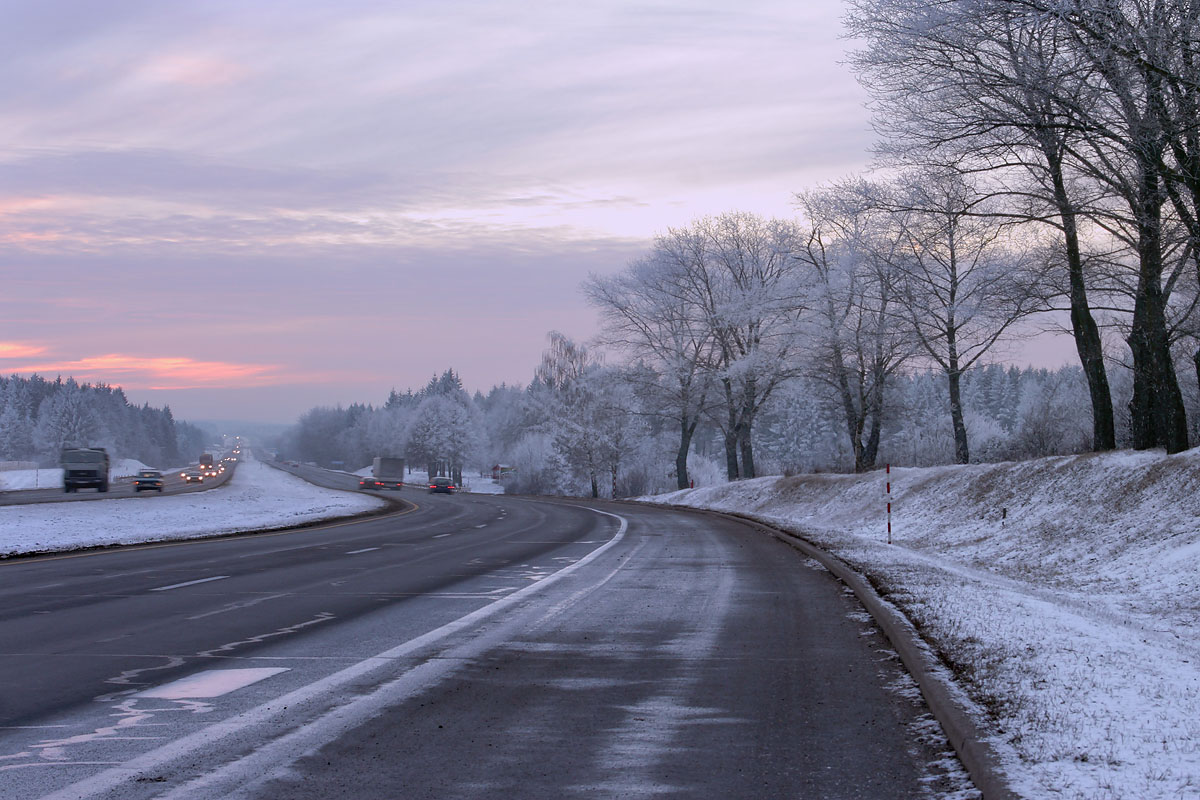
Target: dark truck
<point>84,467</point>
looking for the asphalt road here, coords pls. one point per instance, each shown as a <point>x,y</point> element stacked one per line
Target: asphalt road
<point>117,488</point>
<point>472,646</point>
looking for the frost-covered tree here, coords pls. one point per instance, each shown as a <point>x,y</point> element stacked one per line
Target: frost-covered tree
<point>444,434</point>
<point>857,342</point>
<point>66,420</point>
<point>649,314</point>
<point>962,283</point>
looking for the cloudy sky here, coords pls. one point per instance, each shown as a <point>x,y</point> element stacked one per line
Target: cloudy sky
<point>247,209</point>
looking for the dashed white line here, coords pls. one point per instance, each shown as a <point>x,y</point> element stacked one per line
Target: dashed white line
<point>364,550</point>
<point>441,535</point>
<point>189,583</point>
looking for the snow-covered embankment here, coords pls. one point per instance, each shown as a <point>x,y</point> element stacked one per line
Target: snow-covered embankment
<point>255,498</point>
<point>1062,592</point>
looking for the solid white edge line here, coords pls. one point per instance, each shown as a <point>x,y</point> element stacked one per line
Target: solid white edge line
<point>110,778</point>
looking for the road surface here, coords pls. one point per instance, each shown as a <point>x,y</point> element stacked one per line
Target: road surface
<point>473,646</point>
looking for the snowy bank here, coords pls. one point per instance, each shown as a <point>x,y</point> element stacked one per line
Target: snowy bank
<point>256,497</point>
<point>1062,593</point>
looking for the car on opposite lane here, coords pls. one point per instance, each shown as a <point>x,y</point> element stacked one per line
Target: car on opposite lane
<point>148,479</point>
<point>192,476</point>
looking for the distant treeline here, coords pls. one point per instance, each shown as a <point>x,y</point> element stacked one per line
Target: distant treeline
<point>564,440</point>
<point>39,417</point>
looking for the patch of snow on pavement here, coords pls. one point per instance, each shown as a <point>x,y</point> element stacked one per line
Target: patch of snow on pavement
<point>1064,594</point>
<point>256,497</point>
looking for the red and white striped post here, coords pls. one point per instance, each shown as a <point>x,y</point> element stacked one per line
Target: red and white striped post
<point>889,505</point>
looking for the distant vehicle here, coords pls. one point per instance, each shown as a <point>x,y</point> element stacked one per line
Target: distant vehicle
<point>84,467</point>
<point>367,482</point>
<point>148,479</point>
<point>442,485</point>
<point>192,476</point>
<point>390,470</point>
<point>206,459</point>
<point>502,471</point>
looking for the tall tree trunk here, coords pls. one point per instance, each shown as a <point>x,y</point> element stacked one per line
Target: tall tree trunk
<point>962,455</point>
<point>853,417</point>
<point>681,456</point>
<point>731,432</point>
<point>747,448</point>
<point>746,424</point>
<point>871,450</point>
<point>1083,324</point>
<point>1157,415</point>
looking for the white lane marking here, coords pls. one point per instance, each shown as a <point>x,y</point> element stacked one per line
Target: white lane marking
<point>190,583</point>
<point>211,683</point>
<point>109,779</point>
<point>441,535</point>
<point>484,525</point>
<point>364,550</point>
<point>238,606</point>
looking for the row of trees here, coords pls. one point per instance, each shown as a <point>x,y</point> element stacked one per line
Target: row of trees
<point>586,427</point>
<point>1037,156</point>
<point>1083,116</point>
<point>729,309</point>
<point>39,417</point>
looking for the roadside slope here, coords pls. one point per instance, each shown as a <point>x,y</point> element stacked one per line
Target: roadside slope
<point>1061,592</point>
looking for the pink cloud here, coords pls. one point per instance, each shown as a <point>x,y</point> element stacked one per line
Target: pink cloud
<point>192,70</point>
<point>162,372</point>
<point>20,350</point>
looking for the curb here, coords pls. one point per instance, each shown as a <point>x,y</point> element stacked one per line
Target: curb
<point>971,744</point>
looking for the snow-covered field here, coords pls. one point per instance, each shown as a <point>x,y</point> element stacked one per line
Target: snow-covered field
<point>256,497</point>
<point>1073,622</point>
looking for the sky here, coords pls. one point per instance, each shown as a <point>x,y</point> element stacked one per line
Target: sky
<point>244,210</point>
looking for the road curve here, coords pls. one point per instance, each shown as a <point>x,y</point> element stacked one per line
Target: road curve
<point>477,646</point>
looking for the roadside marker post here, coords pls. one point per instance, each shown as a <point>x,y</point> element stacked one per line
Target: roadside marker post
<point>889,505</point>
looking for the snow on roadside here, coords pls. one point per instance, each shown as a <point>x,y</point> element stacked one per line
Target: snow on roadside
<point>256,497</point>
<point>1062,592</point>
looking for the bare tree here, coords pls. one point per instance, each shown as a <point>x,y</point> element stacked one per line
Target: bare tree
<point>856,339</point>
<point>962,284</point>
<point>743,278</point>
<point>994,86</point>
<point>647,314</point>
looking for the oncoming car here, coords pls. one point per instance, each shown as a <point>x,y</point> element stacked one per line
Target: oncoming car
<point>443,485</point>
<point>192,476</point>
<point>149,479</point>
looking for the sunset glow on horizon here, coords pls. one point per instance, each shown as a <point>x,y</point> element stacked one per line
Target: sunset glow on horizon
<point>245,214</point>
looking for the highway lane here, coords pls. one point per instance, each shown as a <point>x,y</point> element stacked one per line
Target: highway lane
<point>476,646</point>
<point>122,488</point>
